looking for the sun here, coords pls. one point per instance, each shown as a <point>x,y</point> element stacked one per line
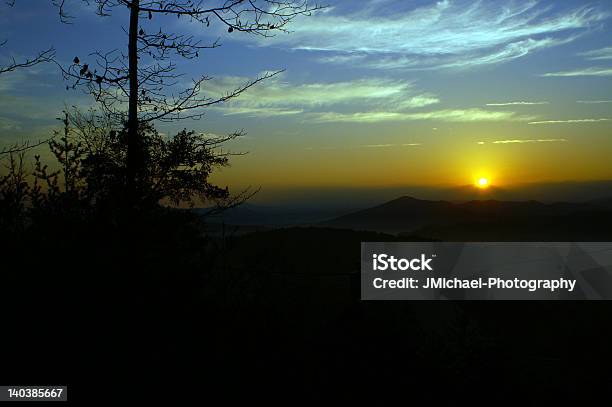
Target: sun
<point>482,182</point>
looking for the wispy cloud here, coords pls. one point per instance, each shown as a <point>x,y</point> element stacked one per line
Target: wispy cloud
<point>581,72</point>
<point>517,103</point>
<point>365,146</point>
<point>446,115</point>
<point>509,52</point>
<point>7,124</point>
<point>425,99</point>
<point>525,141</point>
<point>446,34</point>
<point>390,145</point>
<point>259,112</point>
<point>377,145</point>
<point>591,102</point>
<point>598,54</point>
<point>371,100</point>
<point>278,97</point>
<point>571,121</point>
<point>33,78</point>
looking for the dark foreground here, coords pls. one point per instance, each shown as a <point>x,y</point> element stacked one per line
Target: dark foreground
<point>125,314</point>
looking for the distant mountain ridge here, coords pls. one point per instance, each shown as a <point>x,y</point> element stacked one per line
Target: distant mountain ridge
<point>408,214</point>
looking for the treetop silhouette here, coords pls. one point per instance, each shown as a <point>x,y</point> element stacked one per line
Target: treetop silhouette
<point>145,77</point>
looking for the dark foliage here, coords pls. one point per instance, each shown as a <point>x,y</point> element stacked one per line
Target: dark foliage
<point>88,177</point>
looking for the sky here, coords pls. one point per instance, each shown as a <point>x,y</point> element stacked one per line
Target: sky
<point>374,94</point>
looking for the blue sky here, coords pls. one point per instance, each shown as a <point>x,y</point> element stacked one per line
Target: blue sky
<point>480,86</point>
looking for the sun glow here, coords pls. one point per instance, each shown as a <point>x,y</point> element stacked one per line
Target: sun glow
<point>482,182</point>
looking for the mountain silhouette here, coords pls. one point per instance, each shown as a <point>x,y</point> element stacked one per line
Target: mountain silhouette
<point>483,219</point>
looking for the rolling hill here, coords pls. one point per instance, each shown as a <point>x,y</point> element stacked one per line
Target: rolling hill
<point>483,220</point>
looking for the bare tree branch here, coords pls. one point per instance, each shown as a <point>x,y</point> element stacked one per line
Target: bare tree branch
<point>145,80</point>
<point>26,145</point>
<point>188,101</point>
<point>44,56</point>
<point>106,75</point>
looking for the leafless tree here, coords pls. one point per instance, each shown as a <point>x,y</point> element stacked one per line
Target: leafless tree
<point>145,79</point>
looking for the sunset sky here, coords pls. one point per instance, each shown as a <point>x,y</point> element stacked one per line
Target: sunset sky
<point>374,93</point>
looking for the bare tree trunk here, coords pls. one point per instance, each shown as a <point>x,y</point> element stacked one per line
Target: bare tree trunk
<point>134,153</point>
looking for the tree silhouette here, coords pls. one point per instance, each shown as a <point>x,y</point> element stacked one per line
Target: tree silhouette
<point>145,79</point>
<point>176,169</point>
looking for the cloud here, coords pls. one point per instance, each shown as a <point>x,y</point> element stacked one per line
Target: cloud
<point>581,72</point>
<point>277,97</point>
<point>523,141</point>
<point>571,121</point>
<point>390,145</point>
<point>517,103</point>
<point>377,145</point>
<point>277,92</point>
<point>589,102</point>
<point>447,115</point>
<point>422,100</point>
<point>445,34</point>
<point>371,100</point>
<point>507,53</point>
<point>598,54</point>
<point>342,59</point>
<point>7,124</point>
<point>364,146</point>
<point>259,112</point>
